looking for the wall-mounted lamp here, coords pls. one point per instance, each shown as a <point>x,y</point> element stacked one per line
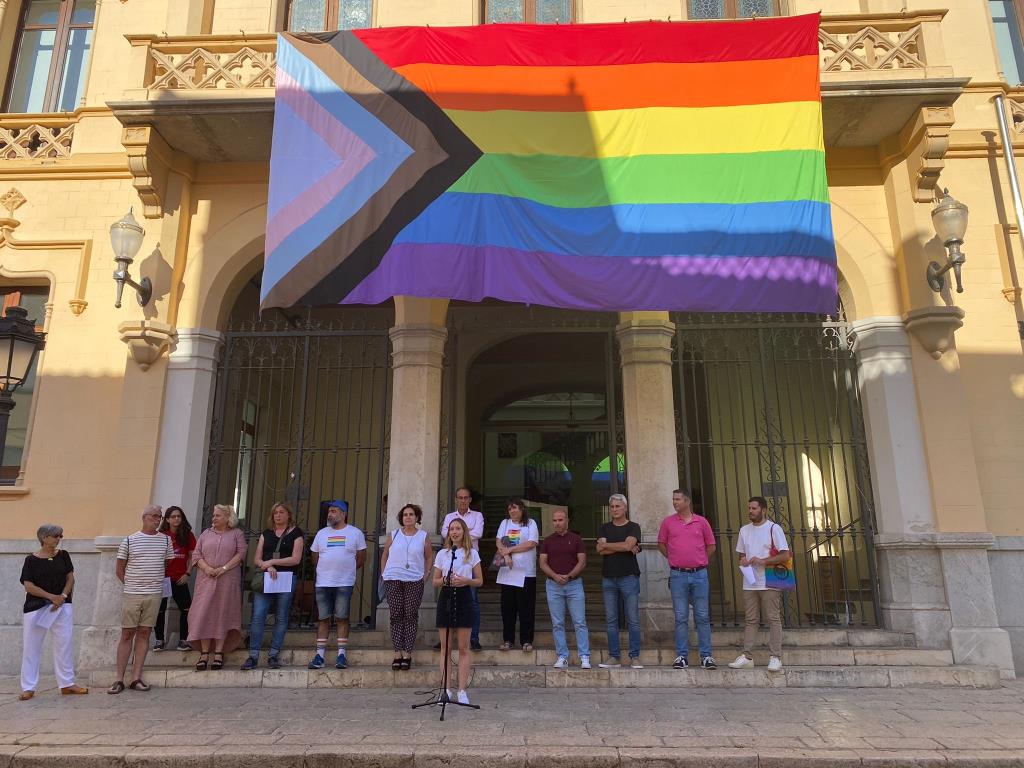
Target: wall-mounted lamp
<point>126,239</point>
<point>949,218</point>
<point>19,345</point>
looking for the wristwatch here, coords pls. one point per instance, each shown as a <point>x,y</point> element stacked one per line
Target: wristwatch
<point>63,595</point>
<point>224,568</point>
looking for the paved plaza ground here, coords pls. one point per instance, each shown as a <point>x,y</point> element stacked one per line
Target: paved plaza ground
<point>290,728</point>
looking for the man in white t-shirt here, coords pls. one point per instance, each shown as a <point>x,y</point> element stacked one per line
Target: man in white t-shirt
<point>338,552</point>
<point>754,546</point>
<point>475,522</point>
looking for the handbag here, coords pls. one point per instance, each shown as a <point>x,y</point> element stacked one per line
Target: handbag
<point>256,582</point>
<point>780,576</point>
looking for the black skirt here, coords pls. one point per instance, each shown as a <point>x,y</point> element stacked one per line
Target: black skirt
<point>462,616</point>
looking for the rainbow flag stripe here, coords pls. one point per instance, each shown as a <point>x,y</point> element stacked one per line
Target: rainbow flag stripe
<point>676,166</point>
<point>336,541</point>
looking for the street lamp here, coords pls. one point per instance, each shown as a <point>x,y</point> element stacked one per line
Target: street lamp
<point>19,345</point>
<point>949,218</point>
<point>126,239</point>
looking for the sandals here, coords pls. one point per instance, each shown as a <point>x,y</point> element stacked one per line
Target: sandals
<point>116,688</point>
<point>505,647</point>
<point>203,663</point>
<point>218,660</point>
<point>138,685</point>
<point>26,695</point>
<point>528,647</point>
<point>406,663</point>
<point>396,663</point>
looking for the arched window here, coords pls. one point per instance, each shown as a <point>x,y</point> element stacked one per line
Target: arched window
<point>528,12</point>
<point>732,9</point>
<point>324,15</point>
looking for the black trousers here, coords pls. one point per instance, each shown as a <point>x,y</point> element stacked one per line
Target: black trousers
<point>183,599</point>
<point>521,603</point>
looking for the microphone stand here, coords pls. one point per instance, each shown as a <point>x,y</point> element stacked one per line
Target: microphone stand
<point>442,698</point>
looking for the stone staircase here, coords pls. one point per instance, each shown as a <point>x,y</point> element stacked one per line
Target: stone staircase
<point>814,658</point>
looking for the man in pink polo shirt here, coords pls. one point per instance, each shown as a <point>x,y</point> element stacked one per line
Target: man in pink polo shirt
<point>686,540</point>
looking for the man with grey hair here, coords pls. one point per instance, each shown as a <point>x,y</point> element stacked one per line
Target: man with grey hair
<point>618,543</point>
<point>141,561</point>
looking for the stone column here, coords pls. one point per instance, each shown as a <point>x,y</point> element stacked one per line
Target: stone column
<point>645,347</point>
<point>185,425</point>
<point>98,647</point>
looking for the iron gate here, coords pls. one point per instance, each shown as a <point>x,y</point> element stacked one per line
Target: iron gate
<point>768,405</point>
<point>301,415</point>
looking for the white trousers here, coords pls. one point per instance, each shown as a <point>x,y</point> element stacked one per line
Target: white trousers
<point>63,650</point>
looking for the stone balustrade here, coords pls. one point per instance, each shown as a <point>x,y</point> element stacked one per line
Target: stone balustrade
<point>36,137</point>
<point>880,43</point>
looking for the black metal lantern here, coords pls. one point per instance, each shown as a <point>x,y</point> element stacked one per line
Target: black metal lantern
<point>19,345</point>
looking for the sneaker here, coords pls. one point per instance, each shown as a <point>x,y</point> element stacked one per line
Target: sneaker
<point>679,663</point>
<point>708,662</point>
<point>250,663</point>
<point>562,663</point>
<point>463,697</point>
<point>448,693</point>
<point>774,664</point>
<point>612,663</point>
<point>475,645</point>
<point>742,662</point>
<point>185,647</point>
<point>158,645</point>
<point>342,662</point>
<point>585,662</point>
<point>316,663</point>
<point>273,662</point>
<point>635,664</point>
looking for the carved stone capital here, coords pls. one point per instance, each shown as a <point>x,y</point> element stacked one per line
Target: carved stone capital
<point>925,140</point>
<point>147,340</point>
<point>933,327</point>
<point>149,160</point>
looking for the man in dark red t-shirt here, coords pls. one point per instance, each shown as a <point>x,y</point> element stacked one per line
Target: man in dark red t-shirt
<point>562,559</point>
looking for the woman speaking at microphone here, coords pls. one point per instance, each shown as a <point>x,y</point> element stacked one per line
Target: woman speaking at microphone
<point>454,603</point>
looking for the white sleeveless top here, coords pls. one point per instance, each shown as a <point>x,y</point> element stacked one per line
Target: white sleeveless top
<point>405,557</point>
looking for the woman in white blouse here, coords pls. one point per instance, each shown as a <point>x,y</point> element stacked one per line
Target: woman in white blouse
<point>456,569</point>
<point>404,568</point>
<point>517,542</point>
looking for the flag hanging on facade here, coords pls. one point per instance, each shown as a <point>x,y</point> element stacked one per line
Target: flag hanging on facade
<point>666,166</point>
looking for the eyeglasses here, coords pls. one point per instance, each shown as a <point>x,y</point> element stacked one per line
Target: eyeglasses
<point>463,498</point>
<point>57,535</point>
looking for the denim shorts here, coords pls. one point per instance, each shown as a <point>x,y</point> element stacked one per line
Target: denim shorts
<point>333,601</point>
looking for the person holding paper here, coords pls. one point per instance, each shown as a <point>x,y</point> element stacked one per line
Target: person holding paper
<point>278,555</point>
<point>49,578</point>
<point>618,543</point>
<point>215,618</point>
<point>177,528</point>
<point>754,545</point>
<point>457,570</point>
<point>338,551</point>
<point>405,567</point>
<point>517,542</point>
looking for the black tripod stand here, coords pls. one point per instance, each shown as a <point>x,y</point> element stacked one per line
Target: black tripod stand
<point>443,700</point>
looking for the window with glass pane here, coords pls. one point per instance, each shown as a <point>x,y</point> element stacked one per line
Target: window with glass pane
<point>325,15</point>
<point>34,301</point>
<point>51,56</point>
<point>528,11</point>
<point>732,9</point>
<point>1006,19</point>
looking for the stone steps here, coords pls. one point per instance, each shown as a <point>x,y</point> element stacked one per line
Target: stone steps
<point>426,677</point>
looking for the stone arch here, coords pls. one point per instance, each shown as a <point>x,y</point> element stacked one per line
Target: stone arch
<point>862,259</point>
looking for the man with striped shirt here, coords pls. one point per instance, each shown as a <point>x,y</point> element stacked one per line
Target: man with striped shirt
<point>141,559</point>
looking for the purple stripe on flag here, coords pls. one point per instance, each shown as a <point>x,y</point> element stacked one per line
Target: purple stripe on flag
<point>680,283</point>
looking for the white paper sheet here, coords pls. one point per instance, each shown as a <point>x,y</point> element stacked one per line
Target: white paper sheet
<point>45,617</point>
<point>283,583</point>
<point>749,577</point>
<point>167,587</point>
<point>512,577</point>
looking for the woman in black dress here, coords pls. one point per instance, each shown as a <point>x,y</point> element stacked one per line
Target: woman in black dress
<point>455,603</point>
<point>48,577</point>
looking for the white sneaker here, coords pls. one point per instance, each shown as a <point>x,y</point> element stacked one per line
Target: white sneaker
<point>612,663</point>
<point>463,697</point>
<point>449,694</point>
<point>742,662</point>
<point>562,663</point>
<point>585,662</point>
<point>635,664</point>
<point>774,664</point>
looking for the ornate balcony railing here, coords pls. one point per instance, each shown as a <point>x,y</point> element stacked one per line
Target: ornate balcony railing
<point>36,137</point>
<point>882,43</point>
<point>206,62</point>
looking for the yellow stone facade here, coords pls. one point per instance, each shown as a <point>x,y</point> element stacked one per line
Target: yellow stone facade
<point>908,92</point>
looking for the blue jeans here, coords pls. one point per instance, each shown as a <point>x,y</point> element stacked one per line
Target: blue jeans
<point>629,588</point>
<point>569,595</point>
<point>691,589</point>
<point>260,609</point>
<point>474,633</point>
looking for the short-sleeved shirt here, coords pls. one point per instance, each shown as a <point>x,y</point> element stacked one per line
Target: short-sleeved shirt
<point>146,555</point>
<point>562,551</point>
<point>50,575</point>
<point>517,534</point>
<point>756,541</point>
<point>287,545</point>
<point>619,564</point>
<point>338,548</point>
<point>687,542</point>
<point>474,521</point>
<point>463,564</point>
<point>178,567</point>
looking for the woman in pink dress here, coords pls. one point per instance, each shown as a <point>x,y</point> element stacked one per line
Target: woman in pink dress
<point>215,618</point>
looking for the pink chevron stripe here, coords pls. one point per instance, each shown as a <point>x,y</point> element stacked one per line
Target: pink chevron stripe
<point>355,154</point>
